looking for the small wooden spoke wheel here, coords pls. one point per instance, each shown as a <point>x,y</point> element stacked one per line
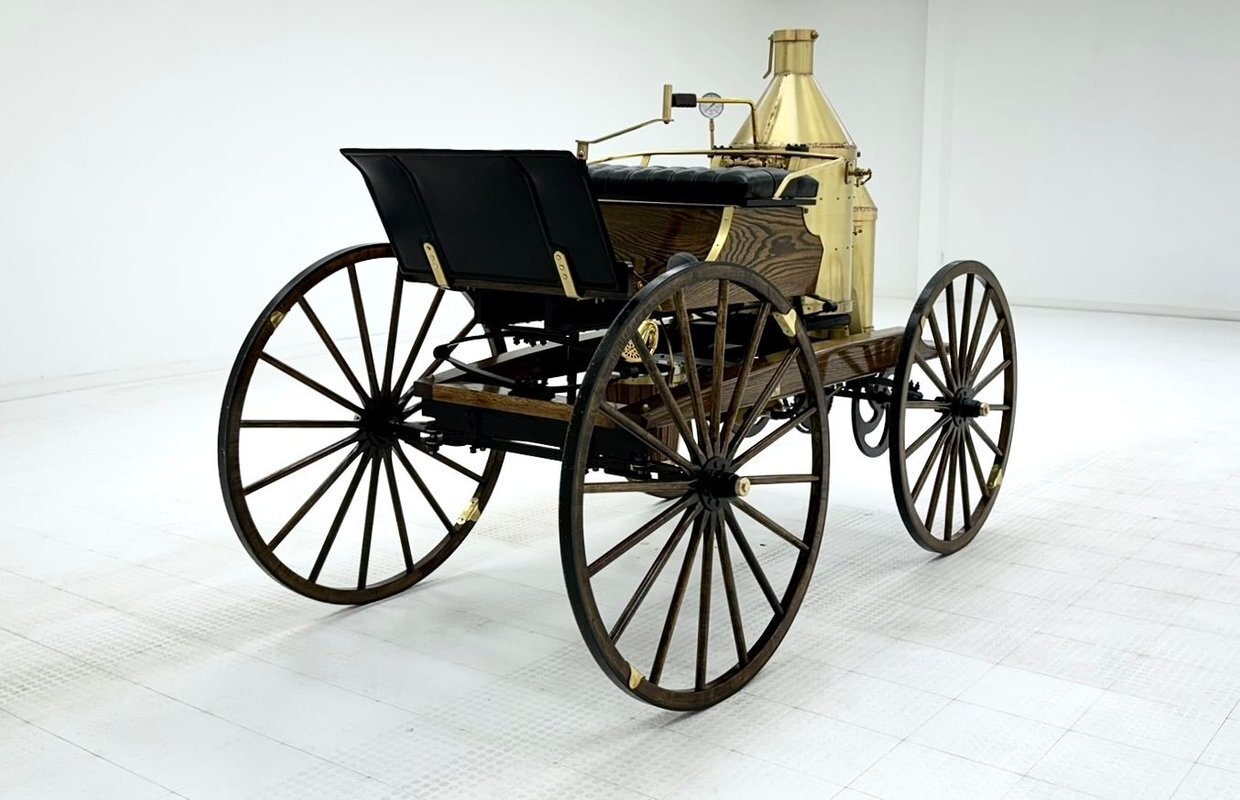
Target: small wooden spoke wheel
<point>730,556</point>
<point>335,483</point>
<point>951,417</point>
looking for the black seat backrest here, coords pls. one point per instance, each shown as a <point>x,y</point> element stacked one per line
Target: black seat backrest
<point>495,218</point>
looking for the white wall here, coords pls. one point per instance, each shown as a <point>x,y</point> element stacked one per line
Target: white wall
<point>1088,150</point>
<point>169,165</point>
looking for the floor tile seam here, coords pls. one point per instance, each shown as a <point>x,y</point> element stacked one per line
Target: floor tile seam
<point>1109,579</point>
<point>209,713</point>
<point>87,750</point>
<point>853,723</point>
<point>905,740</point>
<point>332,621</point>
<point>124,561</point>
<point>201,639</point>
<point>1077,601</point>
<point>145,526</point>
<point>1231,553</point>
<point>1213,736</point>
<point>1107,738</point>
<point>119,562</point>
<point>1051,749</point>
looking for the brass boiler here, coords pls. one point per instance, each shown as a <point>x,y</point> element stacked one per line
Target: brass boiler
<point>794,111</point>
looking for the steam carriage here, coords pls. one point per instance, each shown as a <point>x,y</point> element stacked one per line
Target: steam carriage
<point>675,336</point>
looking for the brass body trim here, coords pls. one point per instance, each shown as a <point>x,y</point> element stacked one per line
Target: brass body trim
<point>471,512</point>
<point>566,275</point>
<point>787,322</point>
<point>995,480</point>
<point>721,238</point>
<point>436,268</point>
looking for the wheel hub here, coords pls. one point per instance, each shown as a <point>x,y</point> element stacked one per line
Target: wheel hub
<point>718,484</point>
<point>380,423</point>
<point>963,406</point>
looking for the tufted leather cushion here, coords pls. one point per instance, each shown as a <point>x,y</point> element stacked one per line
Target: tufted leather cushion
<point>728,186</point>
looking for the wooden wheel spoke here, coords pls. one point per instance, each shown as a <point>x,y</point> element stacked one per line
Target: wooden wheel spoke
<point>926,368</point>
<point>703,638</point>
<point>756,410</point>
<point>759,480</point>
<point>772,437</point>
<point>685,327</point>
<point>334,530</point>
<point>994,448</point>
<point>994,373</point>
<point>300,463</point>
<point>966,508</point>
<point>938,481</point>
<point>925,469</point>
<point>298,423</point>
<point>673,608</point>
<point>310,382</point>
<point>951,490</point>
<point>729,586</point>
<point>976,366</point>
<point>751,559</point>
<point>447,462</point>
<point>977,464</point>
<point>716,376</point>
<point>742,378</point>
<point>644,436</point>
<point>418,340</point>
<point>941,351</point>
<point>438,360</point>
<point>954,366</point>
<point>393,327</point>
<point>931,405</point>
<point>314,498</point>
<point>977,331</point>
<point>937,426</point>
<point>367,351</point>
<point>331,347</point>
<point>636,486</point>
<point>426,492</point>
<point>398,511</point>
<point>629,542</point>
<point>652,574</point>
<point>368,528</point>
<point>965,318</point>
<point>665,392</point>
<point>770,524</point>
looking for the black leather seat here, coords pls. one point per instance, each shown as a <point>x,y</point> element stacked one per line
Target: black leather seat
<point>733,186</point>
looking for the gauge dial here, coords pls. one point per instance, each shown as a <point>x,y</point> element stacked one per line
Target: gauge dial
<point>709,110</point>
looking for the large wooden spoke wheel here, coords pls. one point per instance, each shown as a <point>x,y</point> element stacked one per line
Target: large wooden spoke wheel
<point>683,596</point>
<point>332,480</point>
<point>951,418</point>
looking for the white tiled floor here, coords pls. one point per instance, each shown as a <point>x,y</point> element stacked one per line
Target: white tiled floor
<point>1086,645</point>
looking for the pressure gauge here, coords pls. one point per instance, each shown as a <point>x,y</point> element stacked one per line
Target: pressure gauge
<point>709,110</point>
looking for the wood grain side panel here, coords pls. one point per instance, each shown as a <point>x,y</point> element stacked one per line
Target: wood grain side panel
<point>648,234</point>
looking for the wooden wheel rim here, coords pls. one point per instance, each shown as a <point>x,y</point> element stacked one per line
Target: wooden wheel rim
<point>229,451</point>
<point>971,452</point>
<point>629,677</point>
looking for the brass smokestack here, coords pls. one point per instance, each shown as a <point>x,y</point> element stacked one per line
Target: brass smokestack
<point>794,111</point>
